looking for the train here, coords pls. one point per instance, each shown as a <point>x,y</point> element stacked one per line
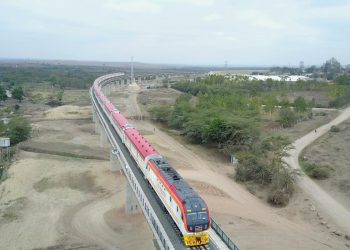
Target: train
<point>186,208</point>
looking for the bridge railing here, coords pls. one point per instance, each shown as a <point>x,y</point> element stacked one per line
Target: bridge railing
<point>223,235</point>
<point>158,231</point>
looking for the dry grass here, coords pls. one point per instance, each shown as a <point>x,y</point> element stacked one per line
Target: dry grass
<point>301,128</point>
<point>333,150</point>
<point>79,97</point>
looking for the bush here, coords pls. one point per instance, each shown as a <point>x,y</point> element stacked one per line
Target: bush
<point>287,118</point>
<point>335,129</point>
<point>282,186</point>
<point>18,129</point>
<point>17,93</point>
<point>317,172</point>
<point>278,198</point>
<point>250,168</point>
<point>160,113</point>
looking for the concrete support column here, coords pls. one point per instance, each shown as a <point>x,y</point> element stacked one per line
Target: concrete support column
<point>115,164</point>
<point>97,127</point>
<point>132,206</point>
<point>94,118</point>
<point>103,139</point>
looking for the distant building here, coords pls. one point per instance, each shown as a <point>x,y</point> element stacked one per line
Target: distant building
<point>289,78</point>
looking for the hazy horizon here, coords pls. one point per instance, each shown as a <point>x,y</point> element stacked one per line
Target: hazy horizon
<point>136,63</point>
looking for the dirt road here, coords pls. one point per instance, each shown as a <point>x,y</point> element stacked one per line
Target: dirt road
<point>340,214</point>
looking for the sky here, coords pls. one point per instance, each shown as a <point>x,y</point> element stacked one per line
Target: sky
<point>194,32</point>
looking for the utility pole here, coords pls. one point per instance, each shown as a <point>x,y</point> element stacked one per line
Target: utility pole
<point>132,80</point>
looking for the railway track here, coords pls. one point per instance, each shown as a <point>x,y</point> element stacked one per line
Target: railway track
<point>203,247</point>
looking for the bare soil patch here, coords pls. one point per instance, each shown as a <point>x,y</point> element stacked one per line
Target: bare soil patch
<point>52,201</point>
<point>83,182</point>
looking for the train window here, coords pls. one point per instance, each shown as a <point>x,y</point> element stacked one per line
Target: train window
<point>202,216</point>
<point>177,209</point>
<point>170,198</point>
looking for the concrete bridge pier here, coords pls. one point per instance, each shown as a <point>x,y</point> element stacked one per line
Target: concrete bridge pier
<point>103,139</point>
<point>132,206</point>
<point>115,164</point>
<point>97,127</point>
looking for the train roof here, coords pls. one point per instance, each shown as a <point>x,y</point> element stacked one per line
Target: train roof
<point>120,119</point>
<point>188,196</point>
<point>110,107</point>
<point>140,142</point>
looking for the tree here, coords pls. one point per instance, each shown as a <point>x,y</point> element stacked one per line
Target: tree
<point>331,68</point>
<point>60,95</point>
<point>17,93</point>
<point>343,79</point>
<point>286,118</point>
<point>18,129</point>
<point>300,104</point>
<point>270,102</point>
<point>3,95</point>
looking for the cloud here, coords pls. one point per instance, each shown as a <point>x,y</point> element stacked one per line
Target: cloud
<point>260,19</point>
<point>138,6</point>
<point>337,12</point>
<point>192,2</point>
<point>212,18</point>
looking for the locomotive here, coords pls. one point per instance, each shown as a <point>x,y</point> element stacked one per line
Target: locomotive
<point>187,209</point>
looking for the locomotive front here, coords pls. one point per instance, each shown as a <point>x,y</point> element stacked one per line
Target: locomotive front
<point>198,222</point>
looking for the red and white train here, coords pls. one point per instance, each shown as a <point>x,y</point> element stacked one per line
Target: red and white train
<point>185,206</point>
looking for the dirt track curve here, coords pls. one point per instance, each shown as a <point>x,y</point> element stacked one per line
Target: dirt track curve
<point>339,213</point>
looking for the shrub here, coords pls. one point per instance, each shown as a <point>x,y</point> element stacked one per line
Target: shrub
<point>278,198</point>
<point>287,118</point>
<point>18,129</point>
<point>282,186</point>
<point>160,113</point>
<point>250,168</point>
<point>317,172</point>
<point>335,129</point>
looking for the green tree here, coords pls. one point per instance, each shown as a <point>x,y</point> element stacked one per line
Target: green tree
<point>17,93</point>
<point>343,79</point>
<point>3,95</point>
<point>160,113</point>
<point>287,118</point>
<point>60,95</point>
<point>18,129</point>
<point>300,104</point>
<point>270,102</point>
<point>331,68</point>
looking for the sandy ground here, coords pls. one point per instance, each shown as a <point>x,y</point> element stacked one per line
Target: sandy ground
<point>251,222</point>
<point>59,202</point>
